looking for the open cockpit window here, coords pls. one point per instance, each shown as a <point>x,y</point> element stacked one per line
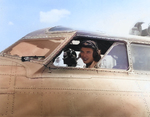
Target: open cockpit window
<point>113,54</point>
<point>69,56</point>
<point>36,48</point>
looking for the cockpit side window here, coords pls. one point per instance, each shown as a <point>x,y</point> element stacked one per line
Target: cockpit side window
<point>69,56</point>
<point>39,47</point>
<point>113,55</point>
<point>115,58</point>
<point>140,57</point>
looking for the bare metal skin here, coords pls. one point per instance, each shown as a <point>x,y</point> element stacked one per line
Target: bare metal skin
<point>37,88</point>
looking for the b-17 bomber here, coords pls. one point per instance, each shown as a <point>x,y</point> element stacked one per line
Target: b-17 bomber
<point>43,75</point>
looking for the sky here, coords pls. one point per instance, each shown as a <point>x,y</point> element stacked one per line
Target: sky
<point>20,17</point>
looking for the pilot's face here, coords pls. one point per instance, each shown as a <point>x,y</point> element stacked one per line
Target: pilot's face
<point>86,55</point>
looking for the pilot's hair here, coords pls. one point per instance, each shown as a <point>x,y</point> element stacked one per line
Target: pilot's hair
<point>94,46</point>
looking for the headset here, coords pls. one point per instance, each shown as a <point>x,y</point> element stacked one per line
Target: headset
<point>94,46</point>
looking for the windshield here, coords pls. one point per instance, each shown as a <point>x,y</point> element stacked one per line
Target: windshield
<point>34,47</point>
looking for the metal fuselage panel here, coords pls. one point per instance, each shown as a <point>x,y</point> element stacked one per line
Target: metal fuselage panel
<point>75,92</point>
<point>31,89</point>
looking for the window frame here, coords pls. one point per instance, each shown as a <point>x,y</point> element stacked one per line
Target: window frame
<point>98,39</point>
<point>132,55</point>
<point>109,50</point>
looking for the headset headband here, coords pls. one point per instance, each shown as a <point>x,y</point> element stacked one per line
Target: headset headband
<point>89,44</point>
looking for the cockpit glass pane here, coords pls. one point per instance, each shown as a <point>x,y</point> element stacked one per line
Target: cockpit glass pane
<point>34,47</point>
<point>115,58</point>
<point>59,28</point>
<point>140,57</point>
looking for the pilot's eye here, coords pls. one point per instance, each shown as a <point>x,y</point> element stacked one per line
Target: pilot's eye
<point>89,52</point>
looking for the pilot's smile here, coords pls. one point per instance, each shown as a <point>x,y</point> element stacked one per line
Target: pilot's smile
<point>86,55</point>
